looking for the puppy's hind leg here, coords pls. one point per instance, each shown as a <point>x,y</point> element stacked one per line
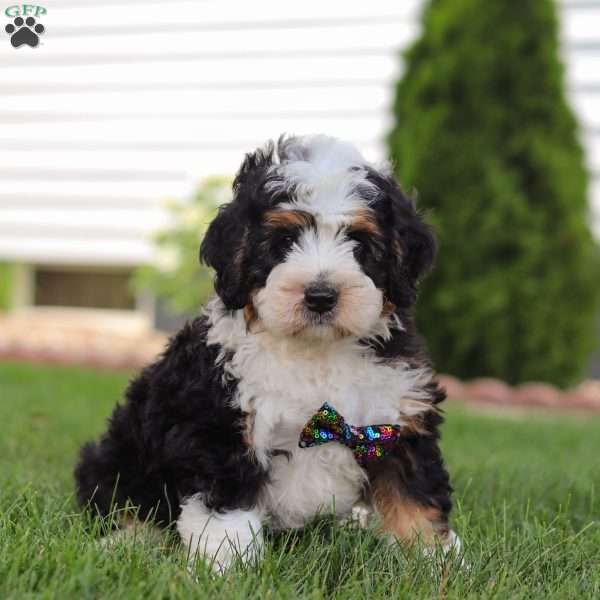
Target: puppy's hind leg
<point>405,519</point>
<point>220,537</point>
<point>410,491</point>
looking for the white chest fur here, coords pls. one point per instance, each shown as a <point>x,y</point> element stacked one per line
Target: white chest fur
<point>283,382</point>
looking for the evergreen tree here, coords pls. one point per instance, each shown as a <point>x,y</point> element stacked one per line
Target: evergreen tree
<point>485,136</point>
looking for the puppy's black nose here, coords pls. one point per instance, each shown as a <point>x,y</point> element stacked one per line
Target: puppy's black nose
<point>320,298</point>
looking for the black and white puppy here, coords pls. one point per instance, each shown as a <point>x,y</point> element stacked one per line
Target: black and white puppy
<point>317,260</point>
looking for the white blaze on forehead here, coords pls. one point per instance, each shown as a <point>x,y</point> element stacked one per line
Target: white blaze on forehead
<point>324,174</point>
<point>322,250</point>
<point>325,152</point>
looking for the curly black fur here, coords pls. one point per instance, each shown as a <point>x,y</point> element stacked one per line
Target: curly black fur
<point>177,435</point>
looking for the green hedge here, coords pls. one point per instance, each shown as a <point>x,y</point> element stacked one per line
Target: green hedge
<point>485,135</point>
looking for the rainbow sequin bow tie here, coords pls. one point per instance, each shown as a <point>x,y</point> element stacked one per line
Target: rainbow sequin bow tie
<point>367,443</point>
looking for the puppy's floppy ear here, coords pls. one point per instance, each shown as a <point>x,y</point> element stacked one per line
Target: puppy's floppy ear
<point>418,242</point>
<point>411,242</point>
<point>226,245</point>
<point>224,248</point>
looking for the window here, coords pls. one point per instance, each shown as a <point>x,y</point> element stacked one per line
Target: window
<point>80,287</point>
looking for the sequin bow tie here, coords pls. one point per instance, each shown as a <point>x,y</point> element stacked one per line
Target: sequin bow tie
<point>367,443</point>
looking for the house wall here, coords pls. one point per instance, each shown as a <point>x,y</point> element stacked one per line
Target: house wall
<point>126,103</point>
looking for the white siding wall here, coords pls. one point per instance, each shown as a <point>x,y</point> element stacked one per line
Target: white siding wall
<point>127,103</point>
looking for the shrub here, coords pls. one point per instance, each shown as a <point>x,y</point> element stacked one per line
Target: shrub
<point>6,285</point>
<point>177,275</point>
<point>484,133</point>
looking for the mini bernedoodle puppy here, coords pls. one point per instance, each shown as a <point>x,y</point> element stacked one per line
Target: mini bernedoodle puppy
<point>303,388</point>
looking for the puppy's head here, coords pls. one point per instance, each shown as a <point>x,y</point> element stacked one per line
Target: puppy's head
<point>316,242</point>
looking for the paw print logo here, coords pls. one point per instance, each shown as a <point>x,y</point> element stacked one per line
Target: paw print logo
<point>24,32</point>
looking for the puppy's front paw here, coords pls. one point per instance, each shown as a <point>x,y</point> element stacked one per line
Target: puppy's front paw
<point>223,556</point>
<point>219,538</point>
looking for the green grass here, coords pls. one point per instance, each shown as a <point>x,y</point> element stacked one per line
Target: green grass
<point>527,508</point>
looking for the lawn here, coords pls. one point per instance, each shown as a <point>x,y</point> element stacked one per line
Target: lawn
<point>527,508</point>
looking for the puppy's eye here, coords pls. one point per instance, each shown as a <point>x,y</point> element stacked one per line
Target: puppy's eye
<point>360,239</point>
<point>361,248</point>
<point>286,239</point>
<point>357,239</point>
<point>282,241</point>
<point>365,246</point>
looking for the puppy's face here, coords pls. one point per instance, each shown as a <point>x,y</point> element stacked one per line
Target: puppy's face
<point>316,243</point>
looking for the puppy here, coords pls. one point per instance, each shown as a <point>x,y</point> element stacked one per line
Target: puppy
<point>303,388</point>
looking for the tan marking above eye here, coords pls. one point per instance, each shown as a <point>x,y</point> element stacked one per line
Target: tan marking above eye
<point>289,219</point>
<point>364,220</point>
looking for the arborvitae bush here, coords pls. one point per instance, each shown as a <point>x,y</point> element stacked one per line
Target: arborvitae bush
<point>485,136</point>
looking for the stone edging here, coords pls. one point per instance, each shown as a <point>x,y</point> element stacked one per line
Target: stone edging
<point>494,392</point>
